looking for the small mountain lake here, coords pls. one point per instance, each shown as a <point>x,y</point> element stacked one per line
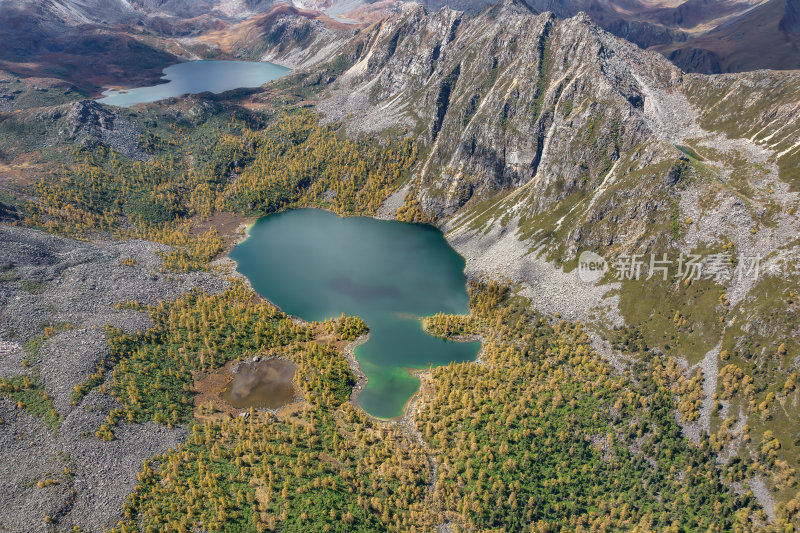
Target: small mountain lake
<point>196,77</point>
<point>317,265</point>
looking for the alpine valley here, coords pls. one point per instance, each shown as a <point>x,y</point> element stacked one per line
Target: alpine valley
<point>651,138</point>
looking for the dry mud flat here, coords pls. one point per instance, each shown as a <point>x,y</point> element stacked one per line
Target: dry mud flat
<point>57,281</point>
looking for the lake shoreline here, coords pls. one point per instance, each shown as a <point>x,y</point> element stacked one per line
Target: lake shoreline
<point>361,378</point>
<point>414,368</point>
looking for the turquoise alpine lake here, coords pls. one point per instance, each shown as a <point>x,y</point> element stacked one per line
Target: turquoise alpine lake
<point>317,265</point>
<point>196,77</point>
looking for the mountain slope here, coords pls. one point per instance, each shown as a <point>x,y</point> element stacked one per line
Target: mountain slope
<point>768,36</point>
<point>78,41</point>
<point>545,138</point>
<point>284,35</point>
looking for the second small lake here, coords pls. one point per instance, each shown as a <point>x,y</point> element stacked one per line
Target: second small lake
<point>197,77</point>
<point>261,384</point>
<point>317,265</point>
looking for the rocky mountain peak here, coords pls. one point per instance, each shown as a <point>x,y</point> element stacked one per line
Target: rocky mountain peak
<point>89,124</point>
<point>87,116</point>
<point>509,7</point>
<point>583,18</point>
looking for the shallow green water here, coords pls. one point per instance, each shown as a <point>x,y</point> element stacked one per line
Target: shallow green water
<point>196,77</point>
<point>316,265</point>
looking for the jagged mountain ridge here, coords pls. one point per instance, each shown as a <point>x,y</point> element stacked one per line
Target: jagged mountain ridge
<point>284,35</point>
<point>507,97</point>
<point>478,87</point>
<point>707,36</point>
<point>59,13</point>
